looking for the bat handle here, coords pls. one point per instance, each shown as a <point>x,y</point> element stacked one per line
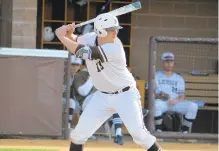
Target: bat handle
<point>78,25</point>
<point>84,23</point>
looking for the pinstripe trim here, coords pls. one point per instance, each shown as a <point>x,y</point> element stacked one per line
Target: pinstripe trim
<point>101,50</point>
<point>142,117</point>
<point>100,54</point>
<point>103,53</point>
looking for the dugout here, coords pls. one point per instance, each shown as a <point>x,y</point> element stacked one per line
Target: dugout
<point>196,61</point>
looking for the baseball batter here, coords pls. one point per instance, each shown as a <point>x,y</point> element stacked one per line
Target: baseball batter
<point>170,95</point>
<point>117,93</point>
<point>82,91</point>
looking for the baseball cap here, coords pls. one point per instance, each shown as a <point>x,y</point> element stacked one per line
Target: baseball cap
<point>167,56</point>
<point>75,60</point>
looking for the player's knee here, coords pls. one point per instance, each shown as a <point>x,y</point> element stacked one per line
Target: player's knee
<point>143,138</point>
<point>72,104</point>
<point>135,131</point>
<point>158,104</point>
<point>193,107</point>
<point>192,110</point>
<point>158,108</point>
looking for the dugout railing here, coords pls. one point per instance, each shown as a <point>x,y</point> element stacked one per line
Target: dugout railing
<point>196,57</point>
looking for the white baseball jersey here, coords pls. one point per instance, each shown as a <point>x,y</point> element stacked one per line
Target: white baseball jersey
<point>172,85</point>
<point>112,74</point>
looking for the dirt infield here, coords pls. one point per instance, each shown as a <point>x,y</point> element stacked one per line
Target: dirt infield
<point>100,146</point>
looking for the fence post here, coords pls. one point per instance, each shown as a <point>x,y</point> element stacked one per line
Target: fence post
<point>66,110</point>
<point>151,71</point>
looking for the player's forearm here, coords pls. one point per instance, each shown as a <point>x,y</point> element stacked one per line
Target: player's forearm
<point>69,44</point>
<point>181,97</point>
<point>73,37</point>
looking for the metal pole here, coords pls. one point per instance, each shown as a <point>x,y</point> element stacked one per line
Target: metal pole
<point>151,84</point>
<point>67,90</point>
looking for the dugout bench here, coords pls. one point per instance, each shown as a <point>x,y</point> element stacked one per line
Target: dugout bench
<point>204,89</point>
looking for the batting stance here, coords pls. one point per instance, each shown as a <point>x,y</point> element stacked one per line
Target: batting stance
<point>116,88</point>
<point>82,90</point>
<point>170,95</point>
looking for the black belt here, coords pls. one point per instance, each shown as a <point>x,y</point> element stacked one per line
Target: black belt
<point>117,92</point>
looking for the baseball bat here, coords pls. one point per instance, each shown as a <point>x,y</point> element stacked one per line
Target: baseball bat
<point>117,12</point>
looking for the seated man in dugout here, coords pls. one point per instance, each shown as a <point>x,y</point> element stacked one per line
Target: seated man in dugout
<point>170,95</point>
<point>74,106</point>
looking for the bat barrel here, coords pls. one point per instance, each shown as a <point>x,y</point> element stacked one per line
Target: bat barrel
<point>137,5</point>
<point>120,11</point>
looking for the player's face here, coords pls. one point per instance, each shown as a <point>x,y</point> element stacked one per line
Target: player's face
<point>112,34</point>
<point>74,68</point>
<point>168,65</point>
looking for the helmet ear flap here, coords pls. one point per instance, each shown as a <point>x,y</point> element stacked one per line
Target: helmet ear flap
<point>102,33</point>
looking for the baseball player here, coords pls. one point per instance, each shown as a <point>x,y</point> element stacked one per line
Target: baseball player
<point>170,95</point>
<point>82,90</point>
<point>116,88</point>
<point>74,106</point>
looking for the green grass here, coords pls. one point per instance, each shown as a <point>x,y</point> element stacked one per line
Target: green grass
<point>19,149</point>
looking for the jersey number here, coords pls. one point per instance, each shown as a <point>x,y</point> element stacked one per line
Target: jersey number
<point>174,90</point>
<point>99,66</point>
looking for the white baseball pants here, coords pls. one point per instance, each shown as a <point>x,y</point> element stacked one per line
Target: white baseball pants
<point>102,106</point>
<point>187,108</point>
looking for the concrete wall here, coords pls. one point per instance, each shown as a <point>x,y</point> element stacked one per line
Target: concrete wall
<point>24,23</point>
<point>188,18</point>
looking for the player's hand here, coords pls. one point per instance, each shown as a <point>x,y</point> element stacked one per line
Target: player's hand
<point>70,29</point>
<point>61,31</point>
<point>164,96</point>
<point>172,103</point>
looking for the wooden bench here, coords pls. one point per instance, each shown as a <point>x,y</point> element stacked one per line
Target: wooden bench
<point>203,88</point>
